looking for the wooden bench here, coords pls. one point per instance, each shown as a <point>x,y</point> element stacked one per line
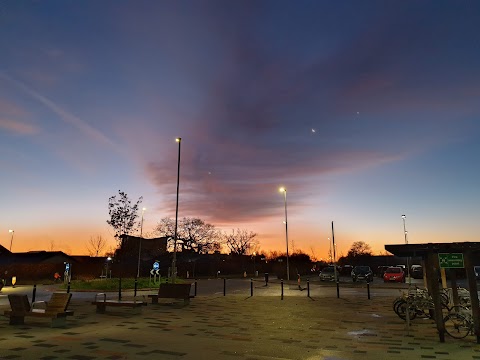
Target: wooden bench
<point>101,302</point>
<point>58,301</point>
<point>55,309</point>
<point>173,291</point>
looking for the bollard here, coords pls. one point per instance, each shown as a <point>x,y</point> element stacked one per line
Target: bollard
<point>119,289</point>
<point>224,286</point>
<point>251,287</point>
<point>338,290</point>
<point>308,287</point>
<point>368,290</point>
<point>68,287</point>
<point>281,282</point>
<point>34,292</point>
<point>196,287</point>
<point>135,289</point>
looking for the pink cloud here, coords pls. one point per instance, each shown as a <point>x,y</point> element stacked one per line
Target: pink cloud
<point>17,127</point>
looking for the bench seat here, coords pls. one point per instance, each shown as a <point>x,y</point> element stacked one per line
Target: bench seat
<point>55,309</point>
<point>101,303</point>
<point>172,291</point>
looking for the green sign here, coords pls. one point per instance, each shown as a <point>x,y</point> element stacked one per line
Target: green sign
<point>451,260</point>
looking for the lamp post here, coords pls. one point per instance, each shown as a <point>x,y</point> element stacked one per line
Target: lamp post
<point>108,260</point>
<point>11,238</point>
<point>140,243</point>
<point>406,242</point>
<point>284,191</point>
<point>174,260</point>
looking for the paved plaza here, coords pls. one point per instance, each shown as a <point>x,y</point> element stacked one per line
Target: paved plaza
<point>235,327</point>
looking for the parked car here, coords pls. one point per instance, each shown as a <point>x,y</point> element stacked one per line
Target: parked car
<point>346,270</point>
<point>394,274</point>
<point>381,270</point>
<point>327,274</point>
<point>416,272</point>
<point>362,273</point>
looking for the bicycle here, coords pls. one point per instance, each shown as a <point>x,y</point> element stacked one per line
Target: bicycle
<point>459,324</point>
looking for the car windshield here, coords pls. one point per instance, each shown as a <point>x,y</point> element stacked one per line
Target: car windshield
<point>328,270</point>
<point>394,270</point>
<point>362,269</point>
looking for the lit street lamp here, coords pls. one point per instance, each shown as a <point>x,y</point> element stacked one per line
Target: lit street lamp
<point>284,191</point>
<point>140,243</point>
<point>174,260</point>
<point>106,275</point>
<point>11,238</point>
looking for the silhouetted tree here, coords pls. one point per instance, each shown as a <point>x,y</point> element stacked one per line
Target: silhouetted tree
<point>123,214</point>
<point>195,235</point>
<point>240,242</point>
<point>96,244</point>
<point>359,248</point>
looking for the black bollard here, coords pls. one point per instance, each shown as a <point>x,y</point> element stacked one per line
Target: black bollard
<point>34,292</point>
<point>338,290</point>
<point>196,287</point>
<point>119,289</point>
<point>368,290</point>
<point>251,287</point>
<point>224,286</point>
<point>281,282</point>
<point>68,287</point>
<point>308,287</point>
<point>135,289</point>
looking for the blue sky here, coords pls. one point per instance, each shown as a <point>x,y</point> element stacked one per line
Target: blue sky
<point>364,111</point>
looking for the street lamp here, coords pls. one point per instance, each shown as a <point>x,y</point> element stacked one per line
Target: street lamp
<point>254,255</point>
<point>140,243</point>
<point>174,260</point>
<point>284,191</point>
<point>406,242</point>
<point>108,260</point>
<point>11,238</point>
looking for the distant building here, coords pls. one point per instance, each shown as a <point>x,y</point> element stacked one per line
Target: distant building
<point>150,247</point>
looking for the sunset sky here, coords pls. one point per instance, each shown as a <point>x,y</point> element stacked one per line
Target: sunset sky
<point>363,110</point>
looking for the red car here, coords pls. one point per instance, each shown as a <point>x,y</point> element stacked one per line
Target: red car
<point>394,274</point>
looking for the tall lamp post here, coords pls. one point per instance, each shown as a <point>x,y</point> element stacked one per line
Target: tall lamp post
<point>284,191</point>
<point>174,260</point>
<point>11,238</point>
<point>406,242</point>
<point>140,243</point>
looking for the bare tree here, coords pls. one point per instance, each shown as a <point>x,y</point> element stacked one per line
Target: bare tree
<point>123,214</point>
<point>199,236</point>
<point>193,233</point>
<point>240,241</point>
<point>359,248</point>
<point>51,246</point>
<point>166,228</point>
<point>314,257</point>
<point>96,244</point>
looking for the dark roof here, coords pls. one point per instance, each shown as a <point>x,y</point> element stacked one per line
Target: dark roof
<point>124,236</point>
<point>89,259</point>
<point>39,256</point>
<point>4,251</point>
<point>407,250</point>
